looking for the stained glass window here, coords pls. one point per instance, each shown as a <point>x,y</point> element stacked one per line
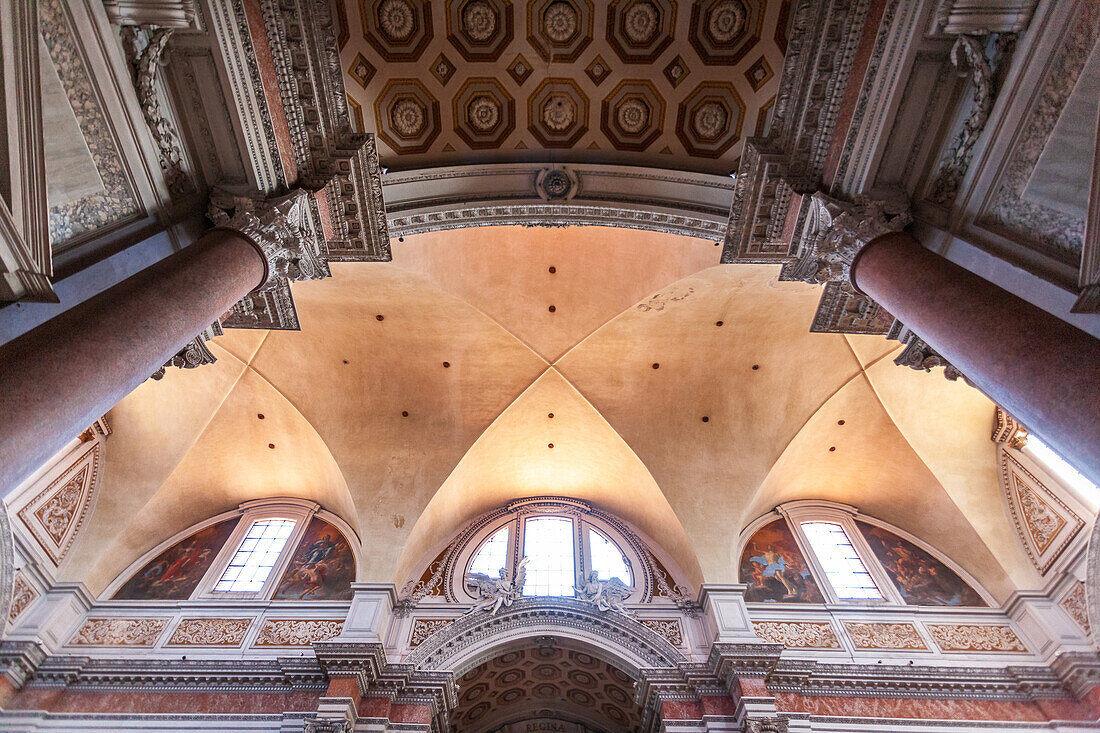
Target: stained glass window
<point>845,571</point>
<point>549,546</point>
<point>257,554</point>
<point>607,559</point>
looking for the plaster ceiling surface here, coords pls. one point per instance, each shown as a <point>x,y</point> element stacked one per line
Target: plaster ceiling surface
<point>547,683</point>
<point>417,396</point>
<point>640,82</point>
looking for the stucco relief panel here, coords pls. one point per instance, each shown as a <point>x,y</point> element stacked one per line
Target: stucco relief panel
<point>798,634</point>
<point>297,631</point>
<point>1044,522</point>
<point>119,632</point>
<point>210,632</point>
<point>975,638</point>
<point>903,636</point>
<point>55,514</point>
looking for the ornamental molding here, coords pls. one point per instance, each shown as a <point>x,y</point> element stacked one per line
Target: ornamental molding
<point>469,640</point>
<point>195,353</point>
<point>144,47</point>
<point>163,13</point>
<point>328,152</point>
<point>807,677</point>
<point>540,194</point>
<point>54,515</point>
<point>918,355</point>
<point>1045,524</point>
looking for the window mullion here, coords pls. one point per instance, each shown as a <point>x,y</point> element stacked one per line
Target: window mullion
<point>878,573</point>
<point>816,569</point>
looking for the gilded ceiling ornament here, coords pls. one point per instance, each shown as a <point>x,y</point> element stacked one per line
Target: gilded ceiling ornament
<point>483,113</point>
<point>726,21</point>
<point>559,112</point>
<point>408,117</point>
<point>396,19</point>
<point>710,120</point>
<point>641,23</point>
<point>632,116</point>
<point>479,21</point>
<point>559,22</point>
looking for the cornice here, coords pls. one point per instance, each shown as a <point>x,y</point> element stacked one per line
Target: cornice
<point>193,675</point>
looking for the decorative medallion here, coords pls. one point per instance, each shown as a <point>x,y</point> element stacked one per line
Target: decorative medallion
<point>22,595</point>
<point>119,632</point>
<point>557,113</point>
<point>632,115</point>
<point>479,29</point>
<point>759,74</point>
<point>975,638</point>
<point>670,629</point>
<point>55,514</point>
<point>723,31</point>
<point>407,116</point>
<point>442,69</point>
<point>676,71</point>
<point>598,70</point>
<point>210,632</point>
<point>1073,603</point>
<point>519,69</point>
<point>709,120</point>
<point>1044,522</point>
<point>798,634</point>
<point>398,29</point>
<point>640,30</point>
<point>903,636</point>
<point>297,631</point>
<point>361,70</point>
<point>556,184</point>
<point>484,113</point>
<point>560,29</point>
<point>425,627</point>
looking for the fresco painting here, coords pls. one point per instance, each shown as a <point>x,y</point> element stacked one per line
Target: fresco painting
<point>322,568</point>
<point>922,579</point>
<point>174,573</point>
<point>774,569</point>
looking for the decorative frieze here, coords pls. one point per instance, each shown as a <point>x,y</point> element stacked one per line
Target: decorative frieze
<point>297,631</point>
<point>798,634</point>
<point>893,636</point>
<point>210,632</point>
<point>668,628</point>
<point>119,632</point>
<point>55,514</point>
<point>975,638</point>
<point>425,627</point>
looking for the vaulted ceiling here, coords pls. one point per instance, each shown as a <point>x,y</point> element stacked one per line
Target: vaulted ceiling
<point>642,82</point>
<point>488,364</point>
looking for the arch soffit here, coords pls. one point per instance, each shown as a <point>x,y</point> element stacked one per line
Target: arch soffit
<point>616,639</point>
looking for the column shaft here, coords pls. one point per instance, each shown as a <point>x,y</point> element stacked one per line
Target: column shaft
<point>58,378</point>
<point>1042,370</point>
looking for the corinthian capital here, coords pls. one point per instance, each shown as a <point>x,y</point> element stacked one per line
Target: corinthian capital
<point>834,232</point>
<point>280,228</point>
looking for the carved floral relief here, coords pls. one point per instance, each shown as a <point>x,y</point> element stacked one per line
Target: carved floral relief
<point>1044,522</point>
<point>23,595</point>
<point>884,636</point>
<point>210,632</point>
<point>119,632</point>
<point>1073,603</point>
<point>668,628</point>
<point>56,513</point>
<point>297,631</point>
<point>798,634</point>
<point>975,638</point>
<point>425,627</point>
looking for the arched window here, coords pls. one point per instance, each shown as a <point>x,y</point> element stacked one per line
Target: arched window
<point>269,549</point>
<point>565,541</point>
<point>818,552</point>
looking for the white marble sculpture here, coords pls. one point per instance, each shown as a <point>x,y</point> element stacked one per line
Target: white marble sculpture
<point>606,595</point>
<point>496,592</point>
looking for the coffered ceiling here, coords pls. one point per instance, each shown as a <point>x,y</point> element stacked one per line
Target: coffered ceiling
<point>642,82</point>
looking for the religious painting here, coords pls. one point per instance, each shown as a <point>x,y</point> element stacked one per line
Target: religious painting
<point>774,570</point>
<point>922,579</point>
<point>322,568</point>
<point>174,573</point>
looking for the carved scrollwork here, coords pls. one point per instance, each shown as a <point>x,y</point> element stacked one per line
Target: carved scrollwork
<point>919,355</point>
<point>279,228</point>
<point>195,353</point>
<point>327,726</point>
<point>144,47</point>
<point>835,231</point>
<point>766,725</point>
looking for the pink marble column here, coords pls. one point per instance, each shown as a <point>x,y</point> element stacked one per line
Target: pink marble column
<point>58,378</point>
<point>1042,370</point>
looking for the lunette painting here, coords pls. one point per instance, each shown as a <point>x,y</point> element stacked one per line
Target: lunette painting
<point>922,579</point>
<point>322,567</point>
<point>174,573</point>
<point>774,569</point>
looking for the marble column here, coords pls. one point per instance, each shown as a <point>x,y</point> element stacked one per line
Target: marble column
<point>58,378</point>
<point>1043,371</point>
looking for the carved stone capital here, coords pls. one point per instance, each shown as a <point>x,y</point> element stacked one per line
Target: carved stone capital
<point>280,228</point>
<point>766,725</point>
<point>195,353</point>
<point>1007,430</point>
<point>919,355</point>
<point>835,231</point>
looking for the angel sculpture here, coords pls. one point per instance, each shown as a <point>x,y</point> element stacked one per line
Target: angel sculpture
<point>494,593</point>
<point>606,595</point>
